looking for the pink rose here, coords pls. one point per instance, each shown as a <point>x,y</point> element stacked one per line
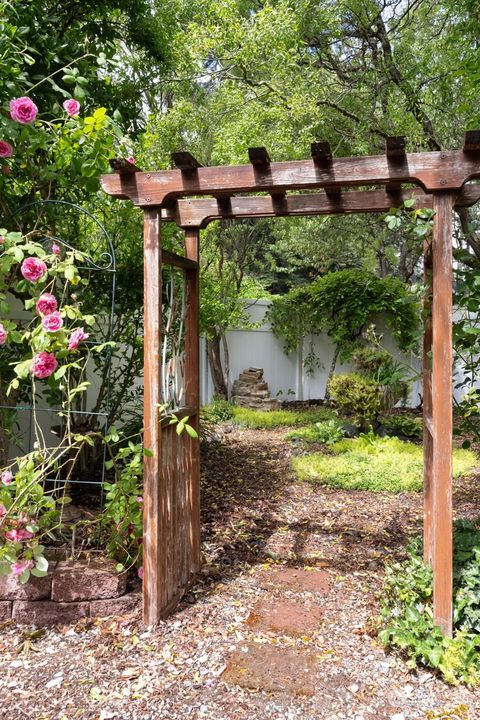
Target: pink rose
<point>3,335</point>
<point>71,107</point>
<point>131,160</point>
<point>6,169</point>
<point>23,110</point>
<point>55,249</point>
<point>6,150</point>
<point>6,477</point>
<point>46,304</point>
<point>21,565</point>
<point>44,364</point>
<point>140,573</point>
<point>33,269</point>
<point>139,499</point>
<point>76,338</point>
<point>19,535</point>
<point>3,510</point>
<point>52,322</point>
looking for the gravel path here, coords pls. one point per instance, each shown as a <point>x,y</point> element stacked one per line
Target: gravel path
<point>226,654</point>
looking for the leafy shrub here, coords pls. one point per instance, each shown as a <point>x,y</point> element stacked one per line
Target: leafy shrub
<point>356,395</point>
<point>328,432</point>
<point>218,411</point>
<point>379,365</point>
<point>257,419</point>
<point>376,464</point>
<point>407,424</point>
<point>407,614</point>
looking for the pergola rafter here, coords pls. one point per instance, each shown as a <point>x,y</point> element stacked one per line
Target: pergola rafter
<point>192,196</point>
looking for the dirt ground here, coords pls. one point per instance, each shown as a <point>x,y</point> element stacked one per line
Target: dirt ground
<point>277,626</point>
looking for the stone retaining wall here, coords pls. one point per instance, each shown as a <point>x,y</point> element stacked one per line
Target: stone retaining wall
<point>72,590</point>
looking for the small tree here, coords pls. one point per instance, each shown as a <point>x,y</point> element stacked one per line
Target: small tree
<point>342,304</point>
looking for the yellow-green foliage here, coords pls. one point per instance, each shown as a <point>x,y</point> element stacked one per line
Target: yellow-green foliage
<point>378,465</point>
<point>258,419</point>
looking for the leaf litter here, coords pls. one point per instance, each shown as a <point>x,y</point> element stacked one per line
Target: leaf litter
<point>257,521</point>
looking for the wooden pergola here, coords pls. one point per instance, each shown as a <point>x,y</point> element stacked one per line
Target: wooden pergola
<point>192,196</point>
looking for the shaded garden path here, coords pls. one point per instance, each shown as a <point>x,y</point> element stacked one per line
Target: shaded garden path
<point>251,639</point>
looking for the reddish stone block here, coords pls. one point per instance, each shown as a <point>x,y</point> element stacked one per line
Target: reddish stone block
<point>5,610</point>
<point>272,669</point>
<point>46,612</point>
<point>79,580</point>
<point>296,579</point>
<point>116,606</point>
<point>35,589</point>
<point>287,618</point>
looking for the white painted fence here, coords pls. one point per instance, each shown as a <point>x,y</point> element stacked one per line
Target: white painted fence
<point>285,374</point>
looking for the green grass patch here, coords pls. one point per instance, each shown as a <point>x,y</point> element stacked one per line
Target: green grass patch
<point>380,465</point>
<point>258,419</point>
<point>328,432</point>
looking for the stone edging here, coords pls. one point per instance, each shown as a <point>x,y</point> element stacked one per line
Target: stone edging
<point>72,590</point>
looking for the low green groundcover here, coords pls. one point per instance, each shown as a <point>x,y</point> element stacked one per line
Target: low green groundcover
<point>258,419</point>
<point>375,464</point>
<point>407,616</point>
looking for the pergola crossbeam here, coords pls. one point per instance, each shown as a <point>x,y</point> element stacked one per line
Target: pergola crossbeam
<point>434,171</point>
<point>201,211</point>
<point>185,162</point>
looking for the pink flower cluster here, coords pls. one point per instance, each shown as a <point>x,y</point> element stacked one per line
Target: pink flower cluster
<point>46,304</point>
<point>43,365</point>
<point>77,337</point>
<point>3,335</point>
<point>19,534</point>
<point>6,477</point>
<point>21,565</point>
<point>71,107</point>
<point>23,110</point>
<point>33,269</point>
<point>6,150</point>
<point>52,322</point>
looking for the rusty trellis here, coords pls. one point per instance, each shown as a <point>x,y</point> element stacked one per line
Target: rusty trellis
<point>192,196</point>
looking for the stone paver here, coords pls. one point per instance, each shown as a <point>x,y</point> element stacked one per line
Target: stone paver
<point>285,618</point>
<point>296,579</point>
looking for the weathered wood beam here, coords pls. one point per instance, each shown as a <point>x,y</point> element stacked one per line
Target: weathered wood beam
<point>169,258</point>
<point>123,167</point>
<point>471,143</point>
<point>185,161</point>
<point>446,170</point>
<point>321,152</point>
<point>192,396</point>
<point>199,212</point>
<point>154,495</point>
<point>395,147</point>
<point>442,420</point>
<point>259,157</point>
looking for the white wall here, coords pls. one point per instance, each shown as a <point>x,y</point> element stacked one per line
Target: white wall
<point>258,347</point>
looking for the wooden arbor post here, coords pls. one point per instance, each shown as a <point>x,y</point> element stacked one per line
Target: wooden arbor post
<point>171,537</point>
<point>437,389</point>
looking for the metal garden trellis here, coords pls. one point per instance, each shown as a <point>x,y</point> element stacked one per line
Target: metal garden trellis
<point>56,221</point>
<point>192,196</point>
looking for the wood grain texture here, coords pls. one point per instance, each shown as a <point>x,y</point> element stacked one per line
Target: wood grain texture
<point>192,395</point>
<point>154,537</point>
<point>442,359</point>
<point>446,170</point>
<point>427,408</point>
<point>199,212</point>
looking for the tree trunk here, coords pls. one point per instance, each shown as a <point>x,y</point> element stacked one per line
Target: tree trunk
<point>331,371</point>
<point>214,355</point>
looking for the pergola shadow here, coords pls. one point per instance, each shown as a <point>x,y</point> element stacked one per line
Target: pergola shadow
<point>192,196</point>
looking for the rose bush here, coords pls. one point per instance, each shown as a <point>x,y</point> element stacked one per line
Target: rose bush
<point>32,489</point>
